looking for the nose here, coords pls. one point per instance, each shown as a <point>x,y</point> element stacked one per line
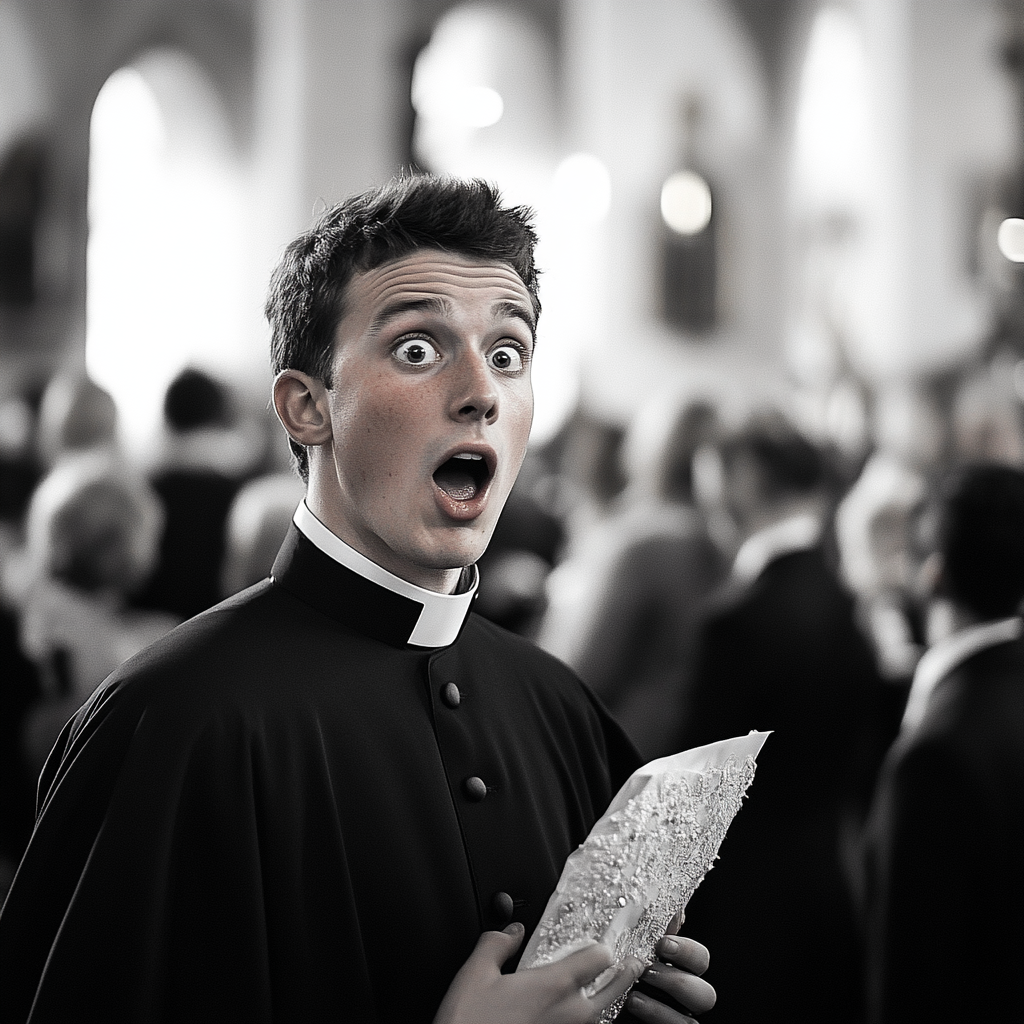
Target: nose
<point>474,392</point>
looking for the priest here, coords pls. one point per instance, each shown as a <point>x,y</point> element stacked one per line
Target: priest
<point>340,795</point>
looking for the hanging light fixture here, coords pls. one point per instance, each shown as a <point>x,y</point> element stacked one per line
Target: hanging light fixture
<point>688,246</point>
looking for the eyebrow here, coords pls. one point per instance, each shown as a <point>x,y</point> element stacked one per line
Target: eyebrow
<point>442,307</point>
<point>432,304</point>
<point>518,312</point>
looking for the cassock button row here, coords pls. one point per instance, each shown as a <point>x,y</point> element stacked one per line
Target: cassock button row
<point>475,788</point>
<point>450,695</point>
<point>501,904</point>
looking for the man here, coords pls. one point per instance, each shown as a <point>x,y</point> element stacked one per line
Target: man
<point>945,841</point>
<point>779,650</point>
<point>204,461</point>
<point>307,803</point>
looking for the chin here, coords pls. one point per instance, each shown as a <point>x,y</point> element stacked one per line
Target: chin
<point>456,553</point>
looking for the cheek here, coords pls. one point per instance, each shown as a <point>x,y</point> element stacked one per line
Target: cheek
<point>521,420</point>
<point>379,441</point>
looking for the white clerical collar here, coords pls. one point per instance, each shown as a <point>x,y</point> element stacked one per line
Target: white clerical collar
<point>797,533</point>
<point>442,615</point>
<point>941,658</point>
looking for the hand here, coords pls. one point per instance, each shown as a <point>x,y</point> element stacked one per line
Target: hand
<point>552,994</point>
<point>678,977</point>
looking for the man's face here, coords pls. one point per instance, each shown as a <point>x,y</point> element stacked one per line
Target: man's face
<point>430,405</point>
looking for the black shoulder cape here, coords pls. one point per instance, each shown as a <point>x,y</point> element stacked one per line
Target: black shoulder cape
<point>281,812</point>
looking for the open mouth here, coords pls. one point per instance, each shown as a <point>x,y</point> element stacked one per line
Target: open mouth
<point>463,476</point>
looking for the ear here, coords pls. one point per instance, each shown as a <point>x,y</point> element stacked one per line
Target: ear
<point>301,404</point>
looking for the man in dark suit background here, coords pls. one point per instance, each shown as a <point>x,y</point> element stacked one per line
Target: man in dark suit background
<point>944,876</point>
<point>779,650</point>
<point>204,460</point>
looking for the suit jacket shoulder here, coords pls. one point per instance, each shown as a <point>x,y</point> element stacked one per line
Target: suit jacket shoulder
<point>944,847</point>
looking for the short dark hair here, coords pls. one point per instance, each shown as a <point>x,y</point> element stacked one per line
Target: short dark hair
<point>788,462</point>
<point>307,290</point>
<point>195,399</point>
<point>980,535</point>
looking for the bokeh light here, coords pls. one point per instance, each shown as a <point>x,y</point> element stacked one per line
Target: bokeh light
<point>1011,239</point>
<point>469,106</point>
<point>686,202</point>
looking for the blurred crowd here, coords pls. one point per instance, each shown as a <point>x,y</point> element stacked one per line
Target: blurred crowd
<point>706,570</point>
<point>101,553</point>
<point>714,569</point>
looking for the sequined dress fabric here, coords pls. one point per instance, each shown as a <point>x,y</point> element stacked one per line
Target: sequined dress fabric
<point>645,857</point>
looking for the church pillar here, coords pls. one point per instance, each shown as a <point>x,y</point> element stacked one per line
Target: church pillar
<point>944,130</point>
<point>329,107</point>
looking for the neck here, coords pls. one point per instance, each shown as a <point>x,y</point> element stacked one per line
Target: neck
<point>441,581</point>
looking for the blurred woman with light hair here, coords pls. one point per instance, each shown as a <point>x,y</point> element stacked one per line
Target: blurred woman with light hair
<point>257,523</point>
<point>875,525</point>
<point>76,417</point>
<point>92,535</point>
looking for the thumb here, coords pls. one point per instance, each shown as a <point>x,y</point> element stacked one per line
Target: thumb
<point>494,948</point>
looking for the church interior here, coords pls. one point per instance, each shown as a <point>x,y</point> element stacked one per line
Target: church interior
<point>813,207</point>
<point>854,162</point>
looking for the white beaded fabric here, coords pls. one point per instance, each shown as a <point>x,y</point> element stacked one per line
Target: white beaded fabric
<point>645,858</point>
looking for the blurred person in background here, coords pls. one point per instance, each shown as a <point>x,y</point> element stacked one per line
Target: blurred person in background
<point>910,425</point>
<point>588,474</point>
<point>201,468</point>
<point>19,680</point>
<point>779,650</point>
<point>875,531</point>
<point>524,548</point>
<point>76,417</point>
<point>77,420</point>
<point>623,611</point>
<point>986,421</point>
<point>257,522</point>
<point>966,415</point>
<point>20,688</point>
<point>93,530</point>
<point>944,885</point>
<point>20,468</point>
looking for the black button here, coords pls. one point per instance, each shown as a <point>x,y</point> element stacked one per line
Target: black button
<point>475,788</point>
<point>450,695</point>
<point>501,904</point>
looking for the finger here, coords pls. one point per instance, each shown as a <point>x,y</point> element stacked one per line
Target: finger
<point>650,1011</point>
<point>687,954</point>
<point>612,983</point>
<point>495,948</point>
<point>686,989</point>
<point>586,964</point>
<point>675,926</point>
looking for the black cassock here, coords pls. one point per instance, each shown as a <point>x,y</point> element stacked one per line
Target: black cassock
<point>283,812</point>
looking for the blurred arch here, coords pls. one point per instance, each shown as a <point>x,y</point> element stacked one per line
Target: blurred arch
<point>167,257</point>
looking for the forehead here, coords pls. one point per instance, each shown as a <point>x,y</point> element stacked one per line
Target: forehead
<point>428,273</point>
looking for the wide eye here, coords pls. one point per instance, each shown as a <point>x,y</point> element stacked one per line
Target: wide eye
<point>417,352</point>
<point>507,358</point>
